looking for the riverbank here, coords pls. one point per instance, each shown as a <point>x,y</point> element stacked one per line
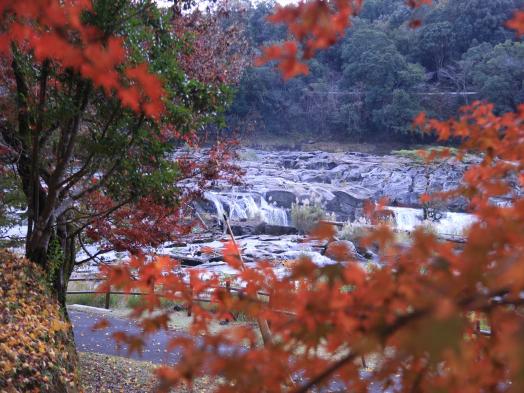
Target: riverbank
<point>301,142</point>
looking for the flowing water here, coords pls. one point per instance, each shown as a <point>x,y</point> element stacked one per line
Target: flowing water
<point>338,183</point>
<point>246,206</point>
<point>450,224</point>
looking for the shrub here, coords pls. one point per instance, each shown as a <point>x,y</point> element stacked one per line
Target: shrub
<point>248,155</point>
<point>353,231</point>
<point>305,217</point>
<point>89,299</point>
<point>36,347</point>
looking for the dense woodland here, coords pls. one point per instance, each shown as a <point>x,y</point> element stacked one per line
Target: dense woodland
<point>373,82</point>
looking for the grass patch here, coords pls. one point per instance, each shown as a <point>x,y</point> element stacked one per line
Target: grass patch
<point>353,231</point>
<point>414,154</point>
<point>248,155</point>
<point>93,300</point>
<point>306,217</point>
<point>90,299</point>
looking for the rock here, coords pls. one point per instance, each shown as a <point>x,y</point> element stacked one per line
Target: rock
<point>289,163</point>
<point>274,230</point>
<point>320,164</point>
<point>287,177</point>
<point>281,198</point>
<point>345,205</point>
<point>204,206</point>
<point>340,250</point>
<point>243,228</point>
<point>279,230</point>
<point>316,178</point>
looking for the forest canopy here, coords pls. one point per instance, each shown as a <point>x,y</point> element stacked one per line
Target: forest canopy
<point>371,83</point>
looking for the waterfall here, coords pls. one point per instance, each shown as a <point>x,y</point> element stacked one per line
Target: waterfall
<point>455,224</point>
<point>451,224</point>
<point>406,218</point>
<point>243,206</point>
<point>219,207</point>
<point>272,214</point>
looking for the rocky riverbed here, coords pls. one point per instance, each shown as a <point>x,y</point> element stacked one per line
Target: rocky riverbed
<point>337,184</point>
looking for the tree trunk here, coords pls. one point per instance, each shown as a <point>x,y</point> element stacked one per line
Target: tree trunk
<point>54,250</point>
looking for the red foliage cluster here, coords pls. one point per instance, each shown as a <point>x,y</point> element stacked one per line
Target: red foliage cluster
<point>434,316</point>
<point>54,30</point>
<point>517,23</point>
<point>134,227</point>
<point>147,223</point>
<point>316,24</point>
<point>216,165</point>
<point>415,318</point>
<point>216,49</point>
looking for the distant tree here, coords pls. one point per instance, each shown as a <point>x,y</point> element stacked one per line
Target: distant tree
<point>373,62</point>
<point>382,9</point>
<point>447,30</point>
<point>497,72</point>
<point>476,21</point>
<point>434,45</point>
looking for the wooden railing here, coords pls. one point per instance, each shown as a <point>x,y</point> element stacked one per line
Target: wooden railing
<point>108,294</point>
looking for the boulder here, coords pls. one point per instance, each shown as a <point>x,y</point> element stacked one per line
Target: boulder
<point>316,178</point>
<point>345,205</point>
<point>340,250</point>
<point>281,198</point>
<point>274,230</point>
<point>320,164</point>
<point>243,228</point>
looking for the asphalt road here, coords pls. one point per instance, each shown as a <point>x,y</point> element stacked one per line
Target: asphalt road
<point>100,341</point>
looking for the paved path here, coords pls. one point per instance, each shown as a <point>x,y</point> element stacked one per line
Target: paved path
<point>100,341</point>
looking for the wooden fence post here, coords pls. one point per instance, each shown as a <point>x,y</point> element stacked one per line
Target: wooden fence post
<point>190,304</point>
<point>228,290</point>
<point>108,296</point>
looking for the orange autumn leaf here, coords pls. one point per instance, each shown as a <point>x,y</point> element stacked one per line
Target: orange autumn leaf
<point>207,250</point>
<point>517,23</point>
<point>231,255</point>
<point>102,324</point>
<point>323,231</point>
<point>425,198</point>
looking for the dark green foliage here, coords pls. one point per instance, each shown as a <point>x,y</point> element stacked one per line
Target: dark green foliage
<point>382,73</point>
<point>497,72</point>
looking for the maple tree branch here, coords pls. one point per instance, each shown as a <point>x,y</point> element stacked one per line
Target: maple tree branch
<point>90,256</point>
<point>262,323</point>
<point>326,373</point>
<point>47,133</point>
<point>71,180</point>
<point>404,320</point>
<point>67,142</point>
<point>100,215</point>
<point>110,172</point>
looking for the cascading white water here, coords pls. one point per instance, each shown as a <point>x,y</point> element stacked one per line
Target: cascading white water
<point>219,207</point>
<point>272,214</point>
<point>244,207</point>
<point>451,224</point>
